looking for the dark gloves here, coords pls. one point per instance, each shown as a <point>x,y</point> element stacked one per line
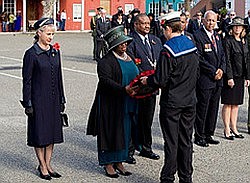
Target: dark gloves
<point>29,111</point>
<point>62,107</point>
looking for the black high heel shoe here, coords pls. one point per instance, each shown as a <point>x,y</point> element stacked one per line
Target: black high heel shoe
<point>240,136</point>
<point>46,177</point>
<point>124,173</point>
<point>110,175</point>
<point>230,137</point>
<point>54,174</point>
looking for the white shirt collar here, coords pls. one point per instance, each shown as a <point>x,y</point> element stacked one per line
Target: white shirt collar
<point>209,34</point>
<point>143,37</point>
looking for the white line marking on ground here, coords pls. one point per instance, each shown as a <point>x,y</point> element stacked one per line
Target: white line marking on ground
<point>64,68</point>
<point>10,75</point>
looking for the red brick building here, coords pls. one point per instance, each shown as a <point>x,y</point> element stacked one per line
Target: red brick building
<point>78,12</point>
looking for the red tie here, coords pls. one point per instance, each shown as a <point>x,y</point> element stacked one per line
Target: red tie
<point>214,43</point>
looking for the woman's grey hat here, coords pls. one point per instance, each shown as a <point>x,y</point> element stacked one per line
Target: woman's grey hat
<point>237,21</point>
<point>116,36</point>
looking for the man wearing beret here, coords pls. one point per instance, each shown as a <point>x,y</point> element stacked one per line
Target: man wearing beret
<point>176,74</point>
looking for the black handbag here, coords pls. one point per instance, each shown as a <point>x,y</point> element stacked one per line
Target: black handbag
<point>65,120</point>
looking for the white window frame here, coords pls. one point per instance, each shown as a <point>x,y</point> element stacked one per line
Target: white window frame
<point>156,9</point>
<point>7,8</point>
<point>128,7</point>
<point>77,12</point>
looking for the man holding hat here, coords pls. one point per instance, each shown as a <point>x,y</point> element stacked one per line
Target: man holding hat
<point>176,74</point>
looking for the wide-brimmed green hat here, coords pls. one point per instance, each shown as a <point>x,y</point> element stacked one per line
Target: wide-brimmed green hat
<point>116,36</point>
<point>237,21</point>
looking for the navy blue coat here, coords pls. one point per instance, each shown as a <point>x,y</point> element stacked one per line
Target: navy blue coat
<point>138,51</point>
<point>43,90</point>
<point>210,60</point>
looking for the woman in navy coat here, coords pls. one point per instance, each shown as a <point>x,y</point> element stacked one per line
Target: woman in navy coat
<point>43,96</point>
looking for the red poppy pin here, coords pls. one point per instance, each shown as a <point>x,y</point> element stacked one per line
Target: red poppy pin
<point>137,61</point>
<point>55,49</point>
<point>56,46</point>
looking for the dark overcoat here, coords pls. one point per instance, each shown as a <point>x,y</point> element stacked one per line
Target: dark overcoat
<point>43,90</point>
<point>107,113</point>
<point>210,60</point>
<point>237,58</point>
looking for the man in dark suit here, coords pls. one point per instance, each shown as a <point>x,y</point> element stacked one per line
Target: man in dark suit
<point>146,48</point>
<point>103,24</point>
<point>189,26</point>
<point>93,28</point>
<point>183,20</point>
<point>197,23</point>
<point>225,23</point>
<point>247,21</point>
<point>212,67</point>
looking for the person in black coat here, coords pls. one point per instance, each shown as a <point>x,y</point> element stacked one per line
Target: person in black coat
<point>197,23</point>
<point>103,24</point>
<point>93,28</point>
<point>145,49</point>
<point>154,25</point>
<point>183,20</point>
<point>176,74</point>
<point>134,13</point>
<point>247,21</point>
<point>212,67</point>
<point>113,109</point>
<point>225,23</point>
<point>120,20</point>
<point>236,78</point>
<point>189,26</point>
<point>43,96</point>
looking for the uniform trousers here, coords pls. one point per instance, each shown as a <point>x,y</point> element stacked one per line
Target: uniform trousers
<point>177,128</point>
<point>141,129</point>
<point>206,111</point>
<point>100,48</point>
<point>146,109</point>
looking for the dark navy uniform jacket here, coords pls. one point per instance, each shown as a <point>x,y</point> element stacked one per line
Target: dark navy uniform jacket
<point>43,90</point>
<point>210,60</point>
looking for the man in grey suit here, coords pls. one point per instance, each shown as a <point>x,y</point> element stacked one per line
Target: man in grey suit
<point>144,48</point>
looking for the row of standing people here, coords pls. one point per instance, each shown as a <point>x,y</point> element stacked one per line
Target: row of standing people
<point>11,22</point>
<point>179,112</point>
<point>100,24</point>
<point>232,30</point>
<point>122,124</point>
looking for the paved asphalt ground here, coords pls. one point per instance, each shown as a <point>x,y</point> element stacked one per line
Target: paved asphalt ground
<point>76,158</point>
